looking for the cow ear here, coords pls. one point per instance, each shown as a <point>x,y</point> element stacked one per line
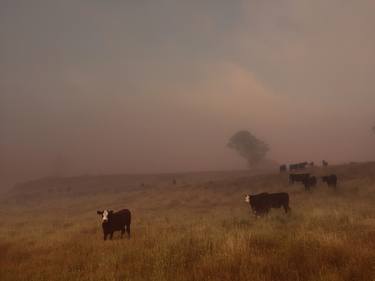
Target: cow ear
<point>99,212</point>
<point>110,211</point>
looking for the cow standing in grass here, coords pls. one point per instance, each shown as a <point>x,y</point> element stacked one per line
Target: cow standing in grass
<point>115,221</point>
<point>263,202</point>
<point>331,180</point>
<point>309,182</point>
<point>283,168</point>
<point>298,166</point>
<point>298,178</point>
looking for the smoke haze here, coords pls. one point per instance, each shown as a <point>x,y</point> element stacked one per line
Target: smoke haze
<point>160,86</point>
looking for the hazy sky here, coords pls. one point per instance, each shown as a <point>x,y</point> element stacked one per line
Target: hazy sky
<point>156,86</point>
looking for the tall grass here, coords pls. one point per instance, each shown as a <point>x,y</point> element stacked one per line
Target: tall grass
<point>198,231</point>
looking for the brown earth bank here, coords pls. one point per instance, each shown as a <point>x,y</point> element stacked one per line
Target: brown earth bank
<point>199,228</point>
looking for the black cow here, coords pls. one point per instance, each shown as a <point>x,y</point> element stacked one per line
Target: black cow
<point>298,166</point>
<point>293,167</point>
<point>298,178</point>
<point>283,168</point>
<point>115,221</point>
<point>309,182</point>
<point>324,163</point>
<point>331,180</point>
<point>263,202</point>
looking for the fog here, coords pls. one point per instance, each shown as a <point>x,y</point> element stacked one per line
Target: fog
<point>160,86</point>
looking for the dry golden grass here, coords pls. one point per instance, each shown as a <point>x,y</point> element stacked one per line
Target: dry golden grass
<point>199,229</point>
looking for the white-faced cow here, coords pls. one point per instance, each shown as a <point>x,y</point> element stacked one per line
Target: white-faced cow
<point>115,221</point>
<point>263,202</point>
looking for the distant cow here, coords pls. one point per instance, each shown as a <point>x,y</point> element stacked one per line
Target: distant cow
<point>283,168</point>
<point>298,178</point>
<point>324,163</point>
<point>115,221</point>
<point>331,180</point>
<point>309,182</point>
<point>298,166</point>
<point>293,167</point>
<point>263,202</point>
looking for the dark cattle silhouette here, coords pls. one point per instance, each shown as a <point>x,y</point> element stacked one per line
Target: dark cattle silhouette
<point>309,182</point>
<point>298,166</point>
<point>298,178</point>
<point>331,180</point>
<point>324,163</point>
<point>263,202</point>
<point>292,167</point>
<point>115,221</point>
<point>283,168</point>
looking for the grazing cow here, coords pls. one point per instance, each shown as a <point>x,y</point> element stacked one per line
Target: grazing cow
<point>331,180</point>
<point>115,221</point>
<point>293,167</point>
<point>298,178</point>
<point>298,166</point>
<point>324,163</point>
<point>283,168</point>
<point>309,182</point>
<point>263,202</point>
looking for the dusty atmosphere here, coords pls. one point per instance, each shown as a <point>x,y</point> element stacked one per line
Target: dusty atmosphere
<point>94,87</point>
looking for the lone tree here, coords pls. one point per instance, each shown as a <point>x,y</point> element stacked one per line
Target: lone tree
<point>249,147</point>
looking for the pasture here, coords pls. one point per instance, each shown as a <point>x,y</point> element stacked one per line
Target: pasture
<point>198,229</point>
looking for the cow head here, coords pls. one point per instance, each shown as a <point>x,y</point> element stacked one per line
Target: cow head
<point>248,200</point>
<point>105,215</point>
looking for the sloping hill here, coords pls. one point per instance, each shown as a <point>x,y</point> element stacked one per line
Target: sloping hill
<point>197,229</point>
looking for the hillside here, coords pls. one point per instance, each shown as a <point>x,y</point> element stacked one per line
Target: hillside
<point>197,229</point>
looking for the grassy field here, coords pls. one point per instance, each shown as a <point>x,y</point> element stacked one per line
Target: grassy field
<point>198,229</point>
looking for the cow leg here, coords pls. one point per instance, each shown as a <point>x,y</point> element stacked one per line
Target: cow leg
<point>128,230</point>
<point>111,236</point>
<point>266,211</point>
<point>122,232</point>
<point>258,212</point>
<point>286,208</point>
<point>105,236</point>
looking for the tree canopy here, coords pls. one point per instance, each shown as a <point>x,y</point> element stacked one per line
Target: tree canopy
<point>249,147</point>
